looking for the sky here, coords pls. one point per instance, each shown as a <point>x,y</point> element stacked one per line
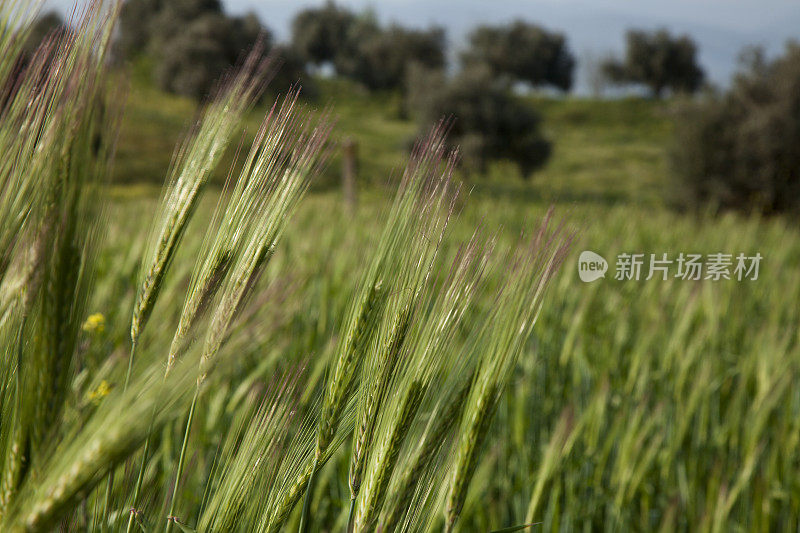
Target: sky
<point>595,28</point>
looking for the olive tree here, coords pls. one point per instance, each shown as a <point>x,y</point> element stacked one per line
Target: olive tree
<point>488,122</point>
<point>380,59</point>
<point>193,42</point>
<point>523,52</point>
<point>658,61</point>
<point>738,150</point>
<point>319,34</point>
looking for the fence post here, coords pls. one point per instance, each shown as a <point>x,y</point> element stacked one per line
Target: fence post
<point>349,173</point>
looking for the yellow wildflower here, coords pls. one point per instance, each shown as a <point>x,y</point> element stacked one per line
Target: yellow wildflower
<point>96,323</point>
<point>100,392</point>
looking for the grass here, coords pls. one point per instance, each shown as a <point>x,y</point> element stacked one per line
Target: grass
<point>384,357</point>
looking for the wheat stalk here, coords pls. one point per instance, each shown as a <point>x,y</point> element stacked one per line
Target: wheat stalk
<point>386,455</point>
<point>502,339</point>
<point>373,400</point>
<point>240,218</point>
<point>81,461</point>
<point>443,420</point>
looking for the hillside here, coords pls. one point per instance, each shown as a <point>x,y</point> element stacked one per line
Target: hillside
<point>604,151</point>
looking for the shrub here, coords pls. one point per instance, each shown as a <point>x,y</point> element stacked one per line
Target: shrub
<point>738,150</point>
<point>489,123</point>
<point>659,61</point>
<point>523,52</point>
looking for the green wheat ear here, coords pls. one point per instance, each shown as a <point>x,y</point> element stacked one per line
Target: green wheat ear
<point>82,461</point>
<point>269,186</point>
<point>284,159</point>
<point>56,134</point>
<point>500,343</point>
<point>195,159</point>
<point>412,477</point>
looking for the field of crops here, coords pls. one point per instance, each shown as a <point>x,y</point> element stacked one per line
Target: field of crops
<point>636,405</point>
<point>302,366</point>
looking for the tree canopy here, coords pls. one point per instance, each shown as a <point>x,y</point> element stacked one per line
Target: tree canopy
<point>319,34</point>
<point>659,61</point>
<point>361,49</point>
<point>738,150</point>
<point>193,42</point>
<point>489,123</point>
<point>523,52</point>
<point>380,59</point>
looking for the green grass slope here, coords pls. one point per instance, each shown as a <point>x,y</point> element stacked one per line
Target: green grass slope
<point>604,151</point>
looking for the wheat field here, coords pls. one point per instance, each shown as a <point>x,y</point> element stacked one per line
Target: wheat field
<point>256,357</point>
